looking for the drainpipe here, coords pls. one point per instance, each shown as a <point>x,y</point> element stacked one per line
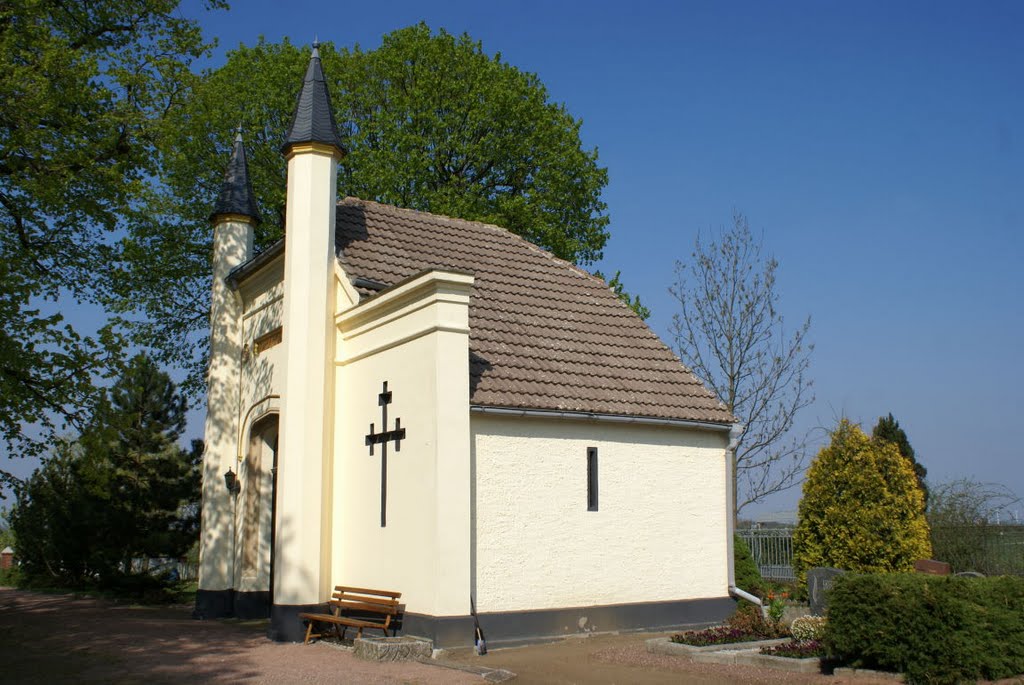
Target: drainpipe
<point>743,594</point>
<point>730,488</point>
<point>730,485</point>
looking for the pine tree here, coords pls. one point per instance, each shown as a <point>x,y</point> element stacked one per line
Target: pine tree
<point>861,508</point>
<point>888,428</point>
<point>150,481</point>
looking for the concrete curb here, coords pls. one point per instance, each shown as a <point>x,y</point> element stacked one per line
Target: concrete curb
<point>779,663</point>
<point>491,675</point>
<point>741,653</point>
<point>868,673</point>
<point>664,645</point>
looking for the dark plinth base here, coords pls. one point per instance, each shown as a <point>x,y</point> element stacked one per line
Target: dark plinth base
<point>214,604</point>
<point>250,605</point>
<point>231,604</point>
<point>285,624</point>
<point>520,627</point>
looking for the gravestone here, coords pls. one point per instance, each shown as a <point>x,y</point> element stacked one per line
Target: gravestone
<point>936,568</point>
<point>819,582</point>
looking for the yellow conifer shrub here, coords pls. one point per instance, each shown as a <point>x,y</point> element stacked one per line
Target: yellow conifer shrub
<point>862,508</point>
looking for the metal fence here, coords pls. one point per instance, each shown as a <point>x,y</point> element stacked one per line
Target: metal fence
<point>988,549</point>
<point>772,549</point>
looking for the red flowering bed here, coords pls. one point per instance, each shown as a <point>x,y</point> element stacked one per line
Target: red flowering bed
<point>746,625</point>
<point>797,649</point>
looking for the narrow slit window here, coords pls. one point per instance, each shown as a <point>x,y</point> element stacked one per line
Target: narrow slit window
<point>591,479</point>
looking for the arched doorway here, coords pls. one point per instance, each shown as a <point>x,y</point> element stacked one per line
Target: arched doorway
<point>259,485</point>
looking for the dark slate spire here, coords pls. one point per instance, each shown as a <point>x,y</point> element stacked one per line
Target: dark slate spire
<point>313,121</point>
<point>236,196</point>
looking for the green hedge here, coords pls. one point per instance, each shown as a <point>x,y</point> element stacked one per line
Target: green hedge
<point>933,629</point>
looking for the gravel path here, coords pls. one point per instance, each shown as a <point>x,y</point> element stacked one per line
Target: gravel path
<point>63,639</point>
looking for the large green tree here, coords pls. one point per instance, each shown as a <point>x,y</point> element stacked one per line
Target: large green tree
<point>861,509</point>
<point>888,428</point>
<point>430,122</point>
<point>123,490</point>
<point>82,86</point>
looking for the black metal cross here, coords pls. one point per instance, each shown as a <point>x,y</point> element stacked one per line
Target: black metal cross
<point>382,438</point>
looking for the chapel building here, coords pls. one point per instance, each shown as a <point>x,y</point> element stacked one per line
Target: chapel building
<point>419,403</point>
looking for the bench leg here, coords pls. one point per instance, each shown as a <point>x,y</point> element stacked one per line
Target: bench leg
<point>344,629</point>
<point>309,630</point>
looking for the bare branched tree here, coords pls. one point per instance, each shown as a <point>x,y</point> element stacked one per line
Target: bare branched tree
<point>967,502</point>
<point>730,333</point>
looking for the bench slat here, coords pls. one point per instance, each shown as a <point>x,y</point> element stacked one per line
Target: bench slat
<point>361,606</point>
<point>365,598</point>
<point>366,591</point>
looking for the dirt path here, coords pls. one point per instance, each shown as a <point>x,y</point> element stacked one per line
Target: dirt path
<point>623,660</point>
<point>63,639</point>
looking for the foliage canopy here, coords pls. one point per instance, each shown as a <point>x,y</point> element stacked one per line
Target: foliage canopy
<point>82,86</point>
<point>430,122</point>
<point>861,508</point>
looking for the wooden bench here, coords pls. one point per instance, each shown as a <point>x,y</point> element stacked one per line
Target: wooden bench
<point>355,607</point>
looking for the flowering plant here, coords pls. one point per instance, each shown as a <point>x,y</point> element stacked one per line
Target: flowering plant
<point>808,627</point>
<point>797,649</point>
<point>776,606</point>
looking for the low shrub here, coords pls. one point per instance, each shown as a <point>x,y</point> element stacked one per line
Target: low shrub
<point>797,649</point>
<point>933,629</point>
<point>808,627</point>
<point>10,577</point>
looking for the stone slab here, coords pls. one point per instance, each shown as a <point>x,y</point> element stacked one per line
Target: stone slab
<point>819,582</point>
<point>403,648</point>
<point>936,568</point>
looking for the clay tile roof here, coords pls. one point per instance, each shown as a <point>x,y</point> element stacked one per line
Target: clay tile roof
<point>544,334</point>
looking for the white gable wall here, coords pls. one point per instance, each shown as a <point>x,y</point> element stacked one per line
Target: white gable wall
<point>416,337</point>
<point>659,534</point>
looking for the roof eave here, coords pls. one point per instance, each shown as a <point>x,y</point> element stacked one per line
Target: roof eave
<point>607,418</point>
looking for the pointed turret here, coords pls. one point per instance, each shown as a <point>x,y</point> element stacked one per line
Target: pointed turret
<point>236,197</point>
<point>234,220</point>
<point>302,555</point>
<point>313,121</point>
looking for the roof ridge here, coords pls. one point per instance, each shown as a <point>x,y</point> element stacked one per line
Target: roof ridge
<point>483,224</point>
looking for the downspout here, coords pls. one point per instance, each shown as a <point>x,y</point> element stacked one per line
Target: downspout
<point>730,484</point>
<point>743,594</point>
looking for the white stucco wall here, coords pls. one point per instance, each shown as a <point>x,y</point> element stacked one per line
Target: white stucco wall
<point>415,337</point>
<point>232,245</point>
<point>660,531</point>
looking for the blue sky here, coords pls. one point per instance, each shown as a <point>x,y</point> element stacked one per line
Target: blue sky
<point>877,145</point>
